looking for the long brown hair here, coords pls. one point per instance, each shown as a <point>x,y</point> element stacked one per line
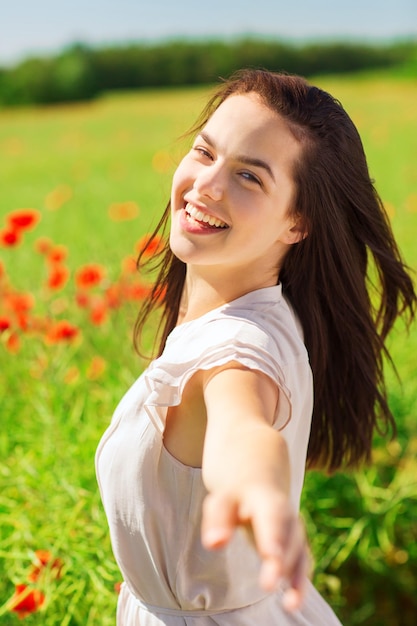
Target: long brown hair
<point>346,280</point>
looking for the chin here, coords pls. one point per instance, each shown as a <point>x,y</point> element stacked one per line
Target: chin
<point>181,249</point>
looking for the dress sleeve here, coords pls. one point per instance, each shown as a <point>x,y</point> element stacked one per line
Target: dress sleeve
<point>213,344</point>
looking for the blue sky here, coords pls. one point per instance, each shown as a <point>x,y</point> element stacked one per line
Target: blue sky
<point>42,26</point>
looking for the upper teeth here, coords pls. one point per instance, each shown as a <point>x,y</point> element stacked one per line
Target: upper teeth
<point>203,217</point>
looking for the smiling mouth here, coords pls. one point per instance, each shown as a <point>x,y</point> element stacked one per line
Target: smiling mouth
<point>199,216</point>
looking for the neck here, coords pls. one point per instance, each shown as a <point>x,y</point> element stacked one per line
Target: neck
<point>203,293</point>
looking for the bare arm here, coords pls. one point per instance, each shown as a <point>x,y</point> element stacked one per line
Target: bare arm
<point>246,471</point>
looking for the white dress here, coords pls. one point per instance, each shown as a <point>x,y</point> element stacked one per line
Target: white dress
<point>153,501</point>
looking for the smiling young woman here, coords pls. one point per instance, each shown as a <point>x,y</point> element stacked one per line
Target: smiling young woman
<point>238,175</point>
<point>263,292</point>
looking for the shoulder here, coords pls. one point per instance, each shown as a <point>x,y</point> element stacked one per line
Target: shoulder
<point>257,334</point>
<point>260,335</point>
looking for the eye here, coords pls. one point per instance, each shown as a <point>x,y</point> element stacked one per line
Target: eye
<point>251,178</point>
<point>200,150</point>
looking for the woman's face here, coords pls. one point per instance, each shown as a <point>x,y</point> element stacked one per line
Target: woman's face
<point>232,192</point>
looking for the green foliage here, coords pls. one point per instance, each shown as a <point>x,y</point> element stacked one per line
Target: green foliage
<point>117,149</point>
<point>80,72</point>
<point>49,499</point>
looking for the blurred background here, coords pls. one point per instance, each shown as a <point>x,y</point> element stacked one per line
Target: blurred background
<point>28,29</point>
<point>53,52</point>
<point>93,98</point>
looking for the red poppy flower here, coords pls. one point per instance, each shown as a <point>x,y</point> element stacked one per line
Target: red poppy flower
<point>13,343</point>
<point>43,245</point>
<point>26,600</point>
<point>10,237</point>
<point>45,561</point>
<point>136,292</point>
<point>62,331</point>
<point>58,277</point>
<point>148,245</point>
<point>23,219</point>
<point>113,296</point>
<point>129,265</point>
<point>82,299</point>
<point>57,254</point>
<point>5,324</point>
<point>21,302</point>
<point>89,275</point>
<point>98,314</point>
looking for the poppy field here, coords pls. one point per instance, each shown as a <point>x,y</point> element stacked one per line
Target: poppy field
<point>81,188</point>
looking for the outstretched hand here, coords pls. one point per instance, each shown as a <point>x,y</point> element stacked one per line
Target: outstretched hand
<point>277,533</point>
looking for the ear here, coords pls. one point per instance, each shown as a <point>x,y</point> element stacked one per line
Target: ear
<point>297,232</point>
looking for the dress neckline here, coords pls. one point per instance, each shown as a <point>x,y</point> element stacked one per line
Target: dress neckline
<point>263,295</point>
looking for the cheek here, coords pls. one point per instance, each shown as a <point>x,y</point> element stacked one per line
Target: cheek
<point>182,175</point>
<point>180,185</point>
<point>176,181</point>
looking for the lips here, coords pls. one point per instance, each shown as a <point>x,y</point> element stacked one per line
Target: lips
<point>205,218</point>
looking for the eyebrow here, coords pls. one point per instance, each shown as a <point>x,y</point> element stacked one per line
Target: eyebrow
<point>247,160</point>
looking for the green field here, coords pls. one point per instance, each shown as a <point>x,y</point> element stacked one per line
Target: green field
<point>84,168</point>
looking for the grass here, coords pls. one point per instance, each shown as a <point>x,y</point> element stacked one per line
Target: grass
<point>72,163</point>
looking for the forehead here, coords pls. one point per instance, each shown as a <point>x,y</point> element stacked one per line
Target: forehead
<point>245,122</point>
<point>249,105</point>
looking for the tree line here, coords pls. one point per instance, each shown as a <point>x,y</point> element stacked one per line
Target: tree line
<point>81,72</point>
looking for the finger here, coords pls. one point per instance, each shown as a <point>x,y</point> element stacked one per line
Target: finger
<point>294,551</point>
<point>219,520</point>
<point>281,540</point>
<point>295,593</point>
<point>292,600</point>
<point>270,574</point>
<point>273,527</point>
<point>294,589</point>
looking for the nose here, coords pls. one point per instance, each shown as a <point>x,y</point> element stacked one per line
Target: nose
<point>210,182</point>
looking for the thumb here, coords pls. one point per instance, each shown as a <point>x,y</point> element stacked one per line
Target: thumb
<point>219,520</point>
